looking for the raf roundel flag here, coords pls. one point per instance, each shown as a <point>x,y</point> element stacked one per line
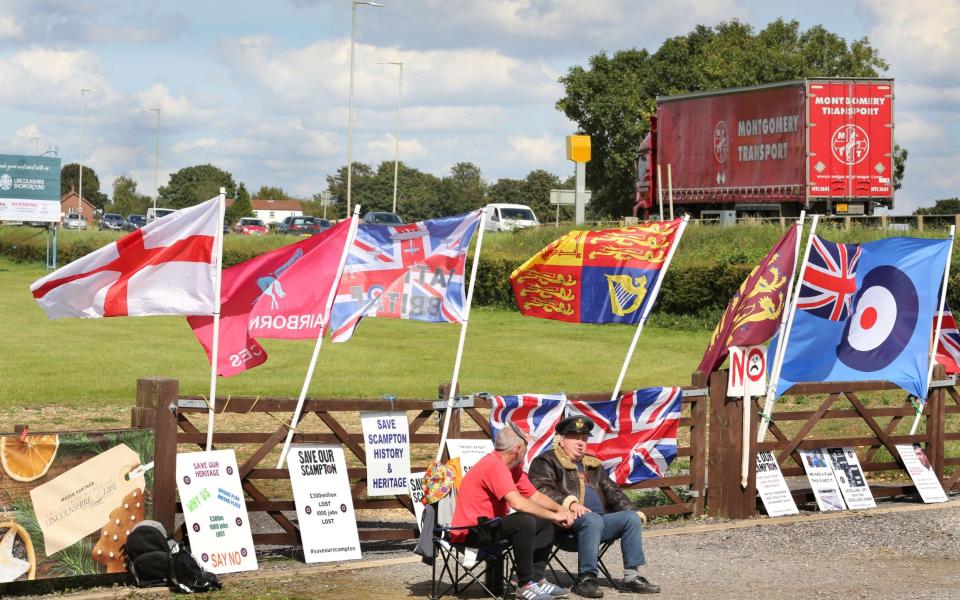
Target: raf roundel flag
<point>864,313</point>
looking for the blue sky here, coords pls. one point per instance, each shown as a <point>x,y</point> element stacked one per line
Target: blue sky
<point>260,89</point>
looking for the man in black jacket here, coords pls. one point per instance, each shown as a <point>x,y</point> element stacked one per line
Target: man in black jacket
<point>577,481</point>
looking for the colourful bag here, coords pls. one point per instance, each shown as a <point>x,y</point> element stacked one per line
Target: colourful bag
<point>437,482</point>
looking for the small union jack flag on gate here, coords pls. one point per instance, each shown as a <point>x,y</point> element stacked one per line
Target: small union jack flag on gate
<point>829,280</point>
<point>635,436</point>
<point>412,271</point>
<point>535,414</point>
<point>948,346</point>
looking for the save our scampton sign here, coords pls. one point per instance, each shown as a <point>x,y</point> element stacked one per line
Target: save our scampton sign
<point>29,188</point>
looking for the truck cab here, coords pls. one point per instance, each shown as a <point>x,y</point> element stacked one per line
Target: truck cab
<point>507,217</point>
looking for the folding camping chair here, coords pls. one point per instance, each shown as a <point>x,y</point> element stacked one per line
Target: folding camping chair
<point>567,541</point>
<point>456,567</point>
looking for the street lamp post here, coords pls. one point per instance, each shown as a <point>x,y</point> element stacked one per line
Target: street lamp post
<point>353,41</point>
<point>36,145</point>
<point>156,161</point>
<point>396,139</point>
<point>80,191</point>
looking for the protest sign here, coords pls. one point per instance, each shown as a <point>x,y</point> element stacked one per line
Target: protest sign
<point>416,495</point>
<point>921,472</point>
<point>469,452</point>
<point>386,439</point>
<point>214,511</point>
<point>853,484</point>
<point>822,480</point>
<point>772,487</point>
<point>321,492</point>
<point>748,370</point>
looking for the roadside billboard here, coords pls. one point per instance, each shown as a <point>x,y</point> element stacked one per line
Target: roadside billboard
<point>29,188</point>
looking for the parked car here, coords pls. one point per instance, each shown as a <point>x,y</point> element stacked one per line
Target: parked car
<point>158,213</point>
<point>299,225</point>
<point>134,222</point>
<point>112,221</point>
<point>507,217</point>
<point>74,221</point>
<point>250,226</point>
<point>382,218</point>
<point>322,224</point>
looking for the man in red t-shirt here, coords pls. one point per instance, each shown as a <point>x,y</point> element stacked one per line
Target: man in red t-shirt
<point>490,489</point>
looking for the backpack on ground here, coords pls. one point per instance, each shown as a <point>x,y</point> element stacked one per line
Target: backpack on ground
<point>154,558</point>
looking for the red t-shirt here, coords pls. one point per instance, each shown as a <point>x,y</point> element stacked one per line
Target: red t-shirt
<point>482,492</point>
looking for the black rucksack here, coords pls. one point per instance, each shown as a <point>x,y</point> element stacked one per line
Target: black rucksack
<point>154,558</point>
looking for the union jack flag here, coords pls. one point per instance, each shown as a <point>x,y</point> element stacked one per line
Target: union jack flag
<point>412,271</point>
<point>535,414</point>
<point>635,436</point>
<point>830,280</point>
<point>948,346</point>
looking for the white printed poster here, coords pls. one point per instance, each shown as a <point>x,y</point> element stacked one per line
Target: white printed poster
<point>386,438</point>
<point>416,495</point>
<point>214,511</point>
<point>921,472</point>
<point>469,452</point>
<point>822,481</point>
<point>853,483</point>
<point>772,487</point>
<point>321,492</point>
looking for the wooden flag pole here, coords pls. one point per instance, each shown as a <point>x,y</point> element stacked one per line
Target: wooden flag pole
<point>785,334</point>
<point>649,306</point>
<point>215,349</point>
<point>319,343</point>
<point>463,334</point>
<point>936,334</point>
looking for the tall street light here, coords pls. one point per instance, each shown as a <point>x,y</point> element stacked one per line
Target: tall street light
<point>353,41</point>
<point>156,161</point>
<point>36,145</point>
<point>80,193</point>
<point>396,139</point>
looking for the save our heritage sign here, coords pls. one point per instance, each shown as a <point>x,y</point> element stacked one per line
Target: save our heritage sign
<point>29,188</point>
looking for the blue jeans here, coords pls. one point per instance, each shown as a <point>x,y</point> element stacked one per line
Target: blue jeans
<point>593,529</point>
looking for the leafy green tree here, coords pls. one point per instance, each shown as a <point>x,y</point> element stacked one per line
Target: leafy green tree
<point>241,205</point>
<point>899,165</point>
<point>462,190</point>
<point>536,194</point>
<point>126,200</point>
<point>70,180</point>
<point>271,193</point>
<point>418,196</point>
<point>192,185</point>
<point>944,206</point>
<point>613,97</point>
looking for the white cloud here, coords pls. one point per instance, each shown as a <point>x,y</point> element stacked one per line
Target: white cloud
<point>44,78</point>
<point>10,28</point>
<point>188,146</point>
<point>536,151</point>
<point>385,148</point>
<point>177,111</point>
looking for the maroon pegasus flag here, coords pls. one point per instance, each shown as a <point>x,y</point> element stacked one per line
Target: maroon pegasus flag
<point>753,313</point>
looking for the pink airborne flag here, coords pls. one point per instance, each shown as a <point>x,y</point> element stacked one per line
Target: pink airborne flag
<point>278,295</point>
<point>166,268</point>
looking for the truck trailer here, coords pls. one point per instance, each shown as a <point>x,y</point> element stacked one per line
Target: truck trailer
<point>823,145</point>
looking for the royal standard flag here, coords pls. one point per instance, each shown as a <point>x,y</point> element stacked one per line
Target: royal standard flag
<point>604,276</point>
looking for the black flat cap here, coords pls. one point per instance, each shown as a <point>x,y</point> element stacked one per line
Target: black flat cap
<point>575,424</point>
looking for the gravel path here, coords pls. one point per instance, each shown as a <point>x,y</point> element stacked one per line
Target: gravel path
<point>897,551</point>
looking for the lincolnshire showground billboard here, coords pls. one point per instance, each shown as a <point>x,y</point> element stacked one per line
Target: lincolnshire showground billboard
<point>29,188</point>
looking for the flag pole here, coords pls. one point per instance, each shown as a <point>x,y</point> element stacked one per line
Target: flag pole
<point>215,350</point>
<point>936,334</point>
<point>463,333</point>
<point>319,343</point>
<point>649,306</point>
<point>785,333</point>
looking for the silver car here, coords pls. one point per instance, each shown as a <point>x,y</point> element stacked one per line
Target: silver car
<point>74,221</point>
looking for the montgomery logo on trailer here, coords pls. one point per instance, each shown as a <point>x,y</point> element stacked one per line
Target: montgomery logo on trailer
<point>850,144</point>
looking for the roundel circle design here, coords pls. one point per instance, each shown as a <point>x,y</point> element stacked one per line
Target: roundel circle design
<point>883,321</point>
<point>721,141</point>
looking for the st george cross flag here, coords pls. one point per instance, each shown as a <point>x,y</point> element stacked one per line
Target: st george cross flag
<point>635,437</point>
<point>278,295</point>
<point>165,268</point>
<point>412,271</point>
<point>603,276</point>
<point>864,313</point>
<point>948,346</point>
<point>535,414</point>
<point>752,316</point>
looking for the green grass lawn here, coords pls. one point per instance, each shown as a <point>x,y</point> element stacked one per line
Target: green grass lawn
<point>95,362</point>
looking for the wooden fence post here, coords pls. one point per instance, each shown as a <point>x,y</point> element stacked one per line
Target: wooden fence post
<point>698,438</point>
<point>936,423</point>
<point>158,395</point>
<point>726,498</point>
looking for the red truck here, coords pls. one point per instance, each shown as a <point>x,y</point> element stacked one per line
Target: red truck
<point>824,145</point>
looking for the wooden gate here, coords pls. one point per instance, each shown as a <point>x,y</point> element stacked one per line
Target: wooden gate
<point>257,427</point>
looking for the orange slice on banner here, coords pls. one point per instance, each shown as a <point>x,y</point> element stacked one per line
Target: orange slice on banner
<point>17,557</point>
<point>28,457</point>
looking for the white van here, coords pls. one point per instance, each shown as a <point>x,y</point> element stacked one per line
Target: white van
<point>158,213</point>
<point>507,217</point>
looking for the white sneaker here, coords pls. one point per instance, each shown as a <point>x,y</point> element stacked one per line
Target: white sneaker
<point>554,590</point>
<point>532,591</point>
